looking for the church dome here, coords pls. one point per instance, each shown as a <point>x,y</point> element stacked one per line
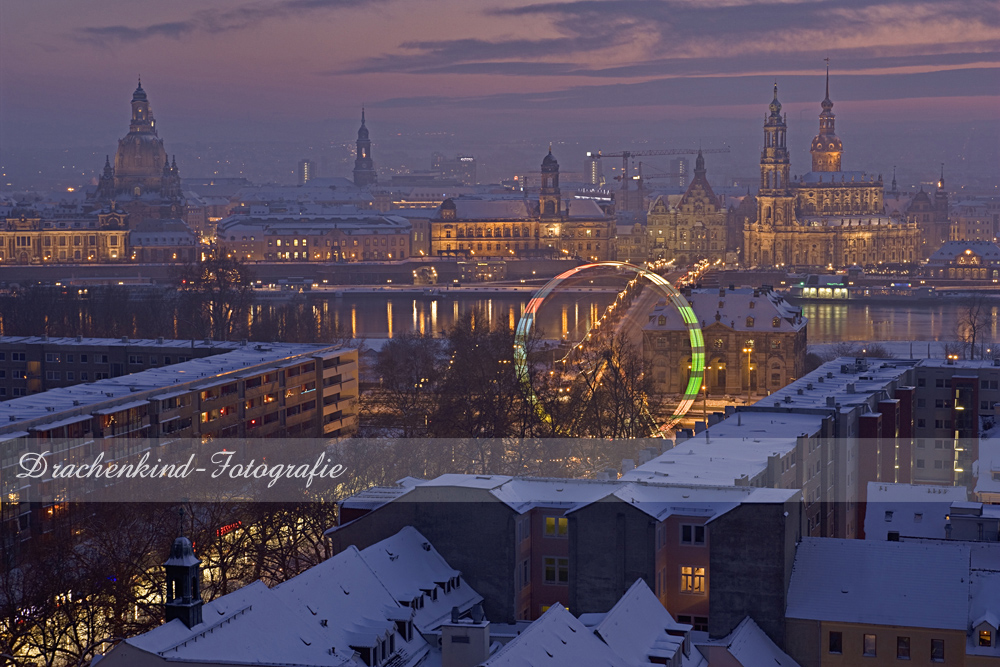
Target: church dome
<point>826,142</point>
<point>549,162</point>
<point>139,93</point>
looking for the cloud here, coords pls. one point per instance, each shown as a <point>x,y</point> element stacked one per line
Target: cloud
<point>216,21</point>
<point>726,91</point>
<point>642,38</point>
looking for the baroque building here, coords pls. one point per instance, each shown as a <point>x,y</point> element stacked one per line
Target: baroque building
<point>755,341</point>
<point>30,236</point>
<point>827,217</point>
<point>507,227</point>
<point>143,181</point>
<point>693,228</point>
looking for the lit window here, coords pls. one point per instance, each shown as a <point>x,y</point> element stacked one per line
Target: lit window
<point>985,638</point>
<point>692,580</point>
<point>556,526</point>
<point>870,645</point>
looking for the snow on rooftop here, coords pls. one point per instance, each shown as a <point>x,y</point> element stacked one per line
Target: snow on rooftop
<point>639,628</point>
<point>733,309</point>
<point>556,638</point>
<point>749,646</point>
<point>911,510</point>
<point>112,394</point>
<point>346,593</point>
<point>407,564</point>
<point>492,208</point>
<point>844,381</point>
<point>736,448</point>
<point>251,625</point>
<point>911,584</point>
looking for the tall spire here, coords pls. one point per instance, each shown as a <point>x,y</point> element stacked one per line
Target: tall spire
<point>941,182</point>
<point>827,77</point>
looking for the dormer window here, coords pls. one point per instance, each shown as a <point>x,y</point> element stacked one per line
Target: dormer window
<point>749,322</point>
<point>776,322</point>
<point>661,320</point>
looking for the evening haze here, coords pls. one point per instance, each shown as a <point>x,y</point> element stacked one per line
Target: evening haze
<point>248,88</point>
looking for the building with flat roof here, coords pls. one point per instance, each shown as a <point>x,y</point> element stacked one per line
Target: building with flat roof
<point>252,390</point>
<point>312,235</point>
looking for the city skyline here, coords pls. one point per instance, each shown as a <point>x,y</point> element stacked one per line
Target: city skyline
<point>514,70</point>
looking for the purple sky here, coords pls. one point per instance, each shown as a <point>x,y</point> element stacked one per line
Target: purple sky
<point>235,69</point>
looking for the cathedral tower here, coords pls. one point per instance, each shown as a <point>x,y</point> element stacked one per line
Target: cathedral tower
<point>826,147</point>
<point>775,201</point>
<point>548,197</point>
<point>364,167</point>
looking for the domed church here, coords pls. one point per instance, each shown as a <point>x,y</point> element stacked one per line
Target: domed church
<point>143,182</point>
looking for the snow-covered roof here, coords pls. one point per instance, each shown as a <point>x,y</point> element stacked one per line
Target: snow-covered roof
<point>345,592</point>
<point>341,604</point>
<point>749,646</point>
<point>407,565</point>
<point>556,638</point>
<point>640,629</point>
<point>846,381</point>
<point>732,309</point>
<point>910,510</point>
<point>251,625</point>
<point>952,249</point>
<point>493,208</point>
<point>114,394</point>
<point>736,450</point>
<point>908,584</point>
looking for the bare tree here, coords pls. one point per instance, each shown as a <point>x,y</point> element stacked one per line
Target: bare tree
<point>974,319</point>
<point>218,290</point>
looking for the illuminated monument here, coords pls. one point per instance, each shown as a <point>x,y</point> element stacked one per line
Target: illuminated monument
<point>826,217</point>
<point>143,182</point>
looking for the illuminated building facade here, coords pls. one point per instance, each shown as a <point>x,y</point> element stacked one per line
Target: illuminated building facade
<point>316,237</point>
<point>512,226</point>
<point>692,227</point>
<point>826,217</point>
<point>732,322</point>
<point>29,236</point>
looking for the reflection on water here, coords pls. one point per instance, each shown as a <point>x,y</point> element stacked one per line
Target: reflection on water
<point>376,316</point>
<point>835,322</point>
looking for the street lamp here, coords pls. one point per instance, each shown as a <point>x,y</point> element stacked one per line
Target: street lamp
<point>748,350</point>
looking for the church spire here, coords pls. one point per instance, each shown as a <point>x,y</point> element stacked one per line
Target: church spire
<point>364,167</point>
<point>826,147</point>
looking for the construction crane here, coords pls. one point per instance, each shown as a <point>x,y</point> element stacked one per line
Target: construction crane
<point>625,155</point>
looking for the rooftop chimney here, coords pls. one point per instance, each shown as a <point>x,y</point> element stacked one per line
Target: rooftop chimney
<point>465,642</point>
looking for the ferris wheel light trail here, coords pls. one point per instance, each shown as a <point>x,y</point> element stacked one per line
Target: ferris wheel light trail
<point>527,321</point>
